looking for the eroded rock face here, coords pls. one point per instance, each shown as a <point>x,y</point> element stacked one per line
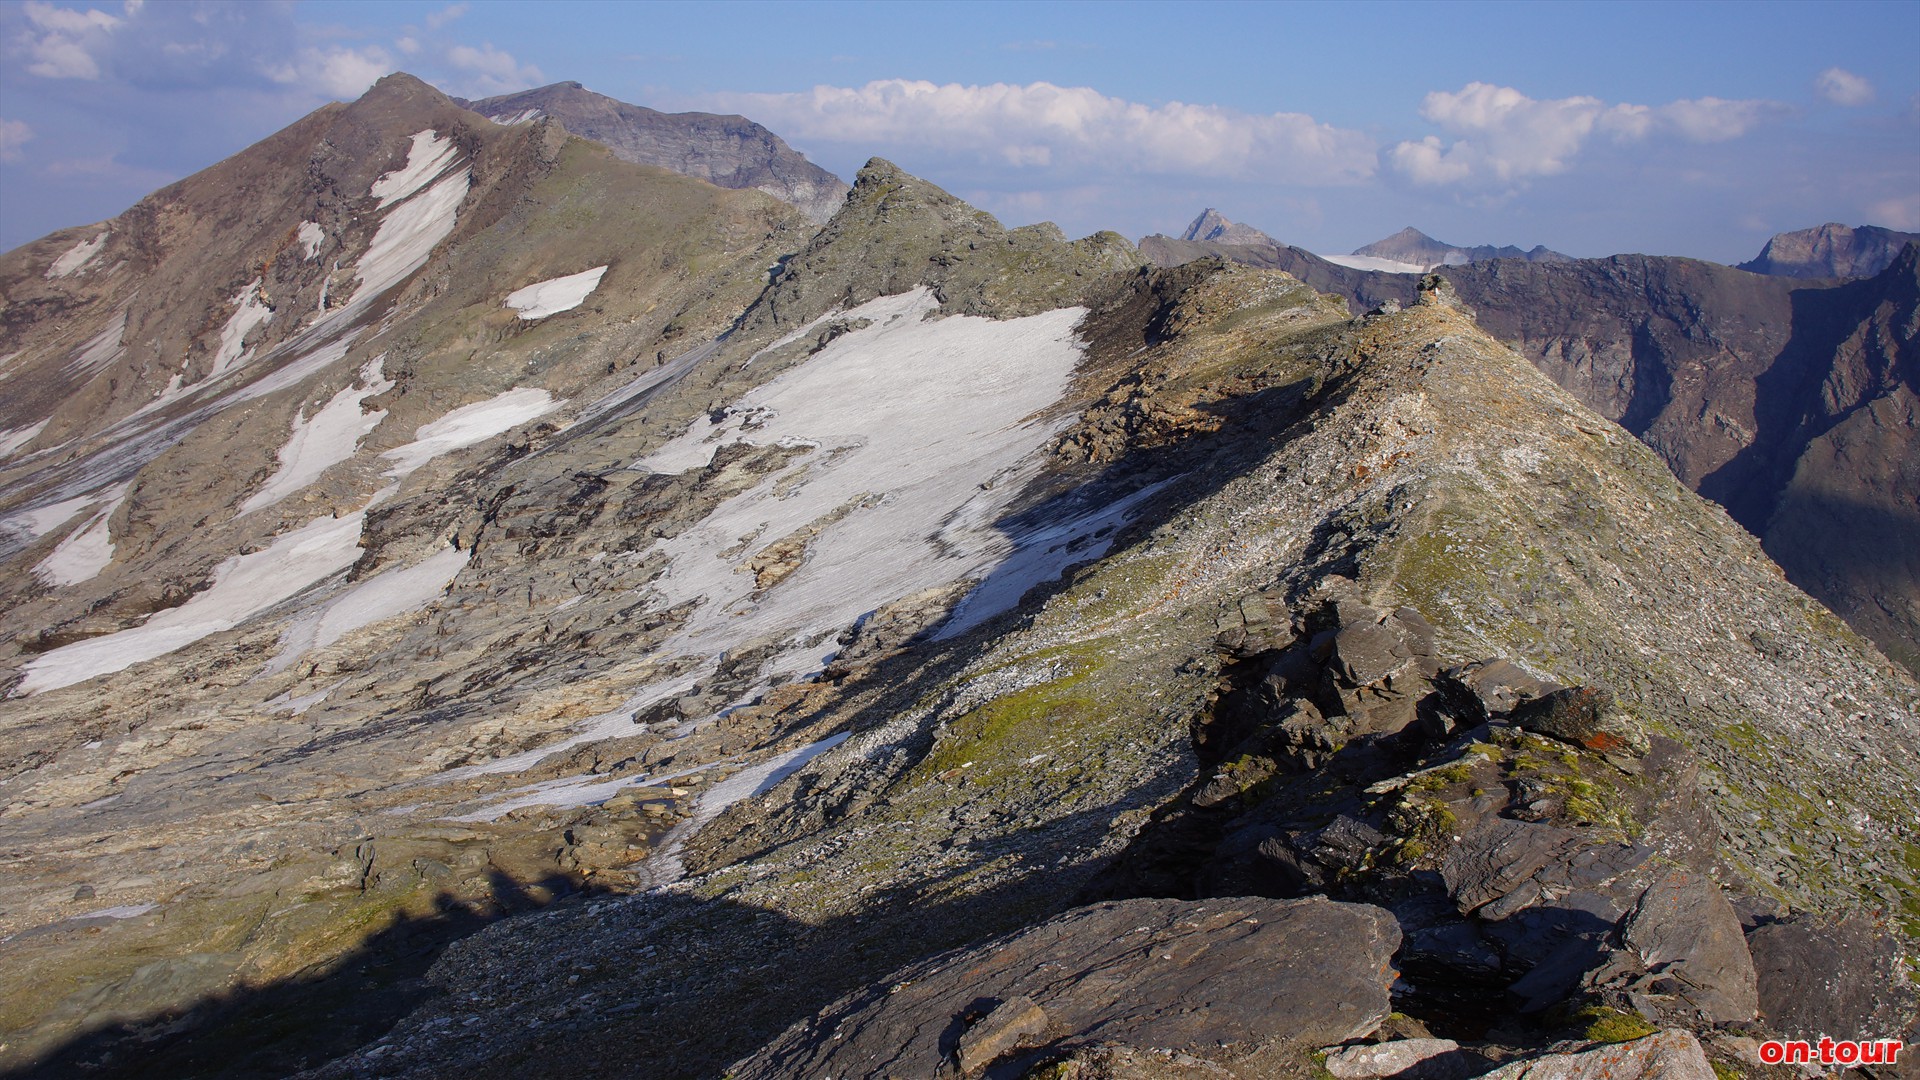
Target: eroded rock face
<point>1831,251</point>
<point>1244,984</point>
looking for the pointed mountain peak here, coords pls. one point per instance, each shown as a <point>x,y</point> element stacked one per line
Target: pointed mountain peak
<point>1213,225</point>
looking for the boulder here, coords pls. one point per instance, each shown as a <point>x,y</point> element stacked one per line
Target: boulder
<point>1227,982</point>
<point>1687,935</point>
<point>1405,1059</point>
<point>1668,1055</point>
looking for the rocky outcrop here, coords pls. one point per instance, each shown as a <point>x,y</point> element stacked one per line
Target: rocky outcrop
<point>1831,251</point>
<point>1244,985</point>
<point>731,151</point>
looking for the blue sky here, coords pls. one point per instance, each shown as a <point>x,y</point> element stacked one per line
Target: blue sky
<point>1664,128</point>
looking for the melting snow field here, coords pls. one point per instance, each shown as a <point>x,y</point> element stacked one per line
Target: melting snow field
<point>243,586</point>
<point>320,443</point>
<point>428,157</point>
<point>83,554</point>
<point>381,597</point>
<point>14,438</point>
<point>311,237</point>
<point>249,311</point>
<point>76,257</point>
<point>553,296</point>
<point>413,229</point>
<point>468,425</point>
<point>922,427</point>
<point>103,349</point>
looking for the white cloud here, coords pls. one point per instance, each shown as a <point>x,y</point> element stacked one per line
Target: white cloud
<point>1041,125</point>
<point>488,70</point>
<point>336,72</point>
<point>1898,213</point>
<point>445,15</point>
<point>64,41</point>
<point>13,135</point>
<point>1506,138</point>
<point>408,45</point>
<point>1843,87</point>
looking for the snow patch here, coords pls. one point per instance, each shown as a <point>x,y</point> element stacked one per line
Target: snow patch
<point>381,597</point>
<point>76,257</point>
<point>14,438</point>
<point>926,427</point>
<point>1370,262</point>
<point>249,312</point>
<point>311,237</point>
<point>468,425</point>
<point>32,524</point>
<point>756,780</point>
<point>430,155</point>
<point>101,350</point>
<point>330,437</point>
<point>242,587</point>
<point>408,236</point>
<point>84,553</point>
<point>524,116</point>
<point>555,295</point>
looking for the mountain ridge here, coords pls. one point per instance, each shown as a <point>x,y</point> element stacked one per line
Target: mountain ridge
<point>731,151</point>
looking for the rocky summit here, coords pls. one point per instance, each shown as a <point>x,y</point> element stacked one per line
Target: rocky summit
<point>478,606</point>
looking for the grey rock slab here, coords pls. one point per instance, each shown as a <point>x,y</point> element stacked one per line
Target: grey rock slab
<point>1684,928</point>
<point>1668,1055</point>
<point>1223,981</point>
<point>1404,1059</point>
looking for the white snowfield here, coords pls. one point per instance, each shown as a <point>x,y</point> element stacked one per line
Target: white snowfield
<point>468,425</point>
<point>925,427</point>
<point>1369,262</point>
<point>311,237</point>
<point>243,586</point>
<point>320,443</point>
<point>85,552</point>
<point>916,435</point>
<point>101,350</point>
<point>250,310</point>
<point>378,598</point>
<point>423,218</point>
<point>246,585</point>
<point>76,257</point>
<point>12,439</point>
<point>555,295</point>
<point>430,155</point>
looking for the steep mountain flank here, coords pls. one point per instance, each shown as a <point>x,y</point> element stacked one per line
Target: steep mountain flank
<point>1733,378</point>
<point>1831,251</point>
<point>730,151</point>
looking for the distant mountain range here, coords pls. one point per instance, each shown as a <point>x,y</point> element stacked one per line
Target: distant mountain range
<point>730,151</point>
<point>1408,251</point>
<point>1831,251</point>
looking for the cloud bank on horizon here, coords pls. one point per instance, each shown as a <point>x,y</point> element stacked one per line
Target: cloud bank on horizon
<point>107,102</point>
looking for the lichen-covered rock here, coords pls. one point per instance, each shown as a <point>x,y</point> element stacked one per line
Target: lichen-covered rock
<point>1668,1055</point>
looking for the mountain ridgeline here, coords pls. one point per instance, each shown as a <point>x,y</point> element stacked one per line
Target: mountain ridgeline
<point>1791,403</point>
<point>468,616</point>
<point>731,151</point>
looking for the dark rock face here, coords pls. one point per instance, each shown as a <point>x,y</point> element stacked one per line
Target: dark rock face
<point>1831,251</point>
<point>1827,976</point>
<point>1794,405</point>
<point>1410,245</point>
<point>1233,982</point>
<point>731,151</point>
